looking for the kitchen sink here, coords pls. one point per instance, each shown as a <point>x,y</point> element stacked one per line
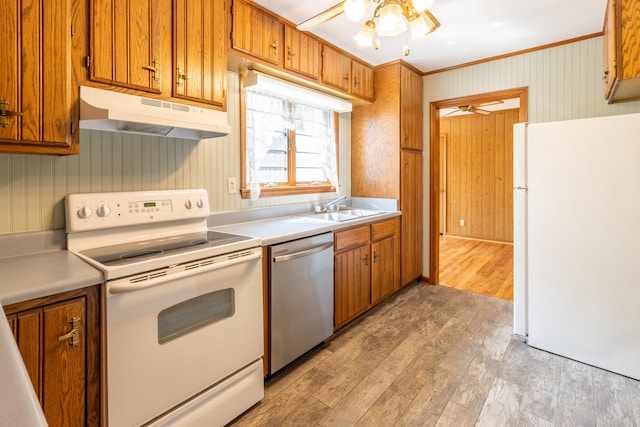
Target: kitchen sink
<point>345,214</point>
<point>360,212</point>
<point>334,216</point>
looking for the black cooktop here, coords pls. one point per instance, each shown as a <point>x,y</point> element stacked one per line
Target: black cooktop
<point>127,253</point>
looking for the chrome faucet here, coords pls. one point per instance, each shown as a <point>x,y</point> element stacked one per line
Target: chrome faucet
<point>333,202</point>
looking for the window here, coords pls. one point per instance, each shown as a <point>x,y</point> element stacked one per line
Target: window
<point>289,147</point>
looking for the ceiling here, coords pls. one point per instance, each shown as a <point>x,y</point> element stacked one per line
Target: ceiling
<point>470,30</point>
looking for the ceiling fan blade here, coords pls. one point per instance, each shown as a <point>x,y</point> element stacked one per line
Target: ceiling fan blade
<point>481,111</point>
<point>322,17</point>
<point>486,104</point>
<point>457,110</point>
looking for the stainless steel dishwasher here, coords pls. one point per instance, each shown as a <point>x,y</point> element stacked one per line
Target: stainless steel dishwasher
<point>301,297</point>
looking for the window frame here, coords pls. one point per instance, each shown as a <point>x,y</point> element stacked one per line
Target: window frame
<point>291,187</point>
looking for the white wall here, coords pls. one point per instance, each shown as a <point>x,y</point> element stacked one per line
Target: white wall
<point>564,82</point>
<point>32,187</point>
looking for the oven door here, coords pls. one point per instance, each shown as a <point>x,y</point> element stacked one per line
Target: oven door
<point>174,332</point>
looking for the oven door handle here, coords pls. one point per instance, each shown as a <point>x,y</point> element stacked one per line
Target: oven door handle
<point>121,286</point>
<point>314,250</point>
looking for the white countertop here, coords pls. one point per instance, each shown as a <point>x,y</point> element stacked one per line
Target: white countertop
<point>282,229</point>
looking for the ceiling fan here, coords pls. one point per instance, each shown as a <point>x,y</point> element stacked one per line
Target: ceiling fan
<point>390,18</point>
<point>474,108</point>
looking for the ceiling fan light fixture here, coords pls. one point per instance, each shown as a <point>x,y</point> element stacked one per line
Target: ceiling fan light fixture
<point>366,34</point>
<point>354,9</point>
<point>422,5</point>
<point>419,26</point>
<point>392,21</point>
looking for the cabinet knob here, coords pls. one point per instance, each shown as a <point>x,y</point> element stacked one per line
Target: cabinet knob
<point>154,68</point>
<point>375,257</point>
<point>274,45</point>
<point>356,82</point>
<point>346,77</point>
<point>405,161</point>
<point>74,335</point>
<point>4,113</point>
<point>366,259</point>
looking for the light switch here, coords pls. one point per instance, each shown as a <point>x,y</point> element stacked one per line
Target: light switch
<point>231,185</point>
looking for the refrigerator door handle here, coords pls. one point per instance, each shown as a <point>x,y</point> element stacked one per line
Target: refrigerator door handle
<point>521,188</point>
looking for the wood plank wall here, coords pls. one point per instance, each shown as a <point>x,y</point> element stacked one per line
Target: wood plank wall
<point>479,175</point>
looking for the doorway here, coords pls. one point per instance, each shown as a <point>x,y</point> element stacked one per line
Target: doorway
<point>437,175</point>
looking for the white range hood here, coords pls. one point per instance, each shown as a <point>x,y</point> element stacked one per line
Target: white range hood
<point>119,112</point>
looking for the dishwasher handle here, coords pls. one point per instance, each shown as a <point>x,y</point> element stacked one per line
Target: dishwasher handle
<point>301,254</point>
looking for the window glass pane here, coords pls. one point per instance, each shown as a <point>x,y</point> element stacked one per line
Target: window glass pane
<point>311,129</point>
<point>275,167</point>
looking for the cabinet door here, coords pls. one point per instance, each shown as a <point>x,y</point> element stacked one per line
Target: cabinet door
<point>610,33</point>
<point>37,78</point>
<point>383,272</point>
<point>302,53</point>
<point>336,69</point>
<point>352,284</point>
<point>362,80</point>
<point>411,207</point>
<point>256,33</point>
<point>199,51</point>
<point>131,43</point>
<point>410,109</point>
<point>63,385</point>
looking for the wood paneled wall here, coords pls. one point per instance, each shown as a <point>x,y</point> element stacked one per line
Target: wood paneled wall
<point>564,82</point>
<point>479,175</point>
<point>32,187</point>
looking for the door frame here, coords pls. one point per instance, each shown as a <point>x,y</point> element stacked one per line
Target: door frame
<point>434,160</point>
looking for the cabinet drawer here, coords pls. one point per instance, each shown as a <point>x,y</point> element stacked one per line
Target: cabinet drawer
<point>384,229</point>
<point>352,238</point>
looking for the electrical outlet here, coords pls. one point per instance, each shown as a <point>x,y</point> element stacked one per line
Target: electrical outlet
<point>231,185</point>
<point>462,223</point>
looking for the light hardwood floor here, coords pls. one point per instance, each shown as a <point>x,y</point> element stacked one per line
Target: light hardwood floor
<point>439,356</point>
<point>477,266</point>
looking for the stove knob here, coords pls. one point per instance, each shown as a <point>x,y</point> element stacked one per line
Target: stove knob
<point>188,204</point>
<point>200,203</point>
<point>103,211</point>
<point>85,212</point>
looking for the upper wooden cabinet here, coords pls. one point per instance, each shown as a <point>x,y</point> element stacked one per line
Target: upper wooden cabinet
<point>131,43</point>
<point>348,75</point>
<point>302,52</point>
<point>41,44</point>
<point>410,109</point>
<point>200,66</point>
<point>336,69</point>
<point>361,80</point>
<point>622,51</point>
<point>257,33</point>
<point>58,338</point>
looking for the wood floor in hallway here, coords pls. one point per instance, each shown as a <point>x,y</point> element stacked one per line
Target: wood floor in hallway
<point>439,356</point>
<point>477,266</point>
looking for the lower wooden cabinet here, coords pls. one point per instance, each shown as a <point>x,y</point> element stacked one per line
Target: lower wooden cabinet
<point>367,268</point>
<point>58,338</point>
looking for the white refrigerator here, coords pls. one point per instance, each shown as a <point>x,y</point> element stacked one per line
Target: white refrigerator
<point>577,239</point>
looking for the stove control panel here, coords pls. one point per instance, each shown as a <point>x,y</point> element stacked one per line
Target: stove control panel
<point>96,211</point>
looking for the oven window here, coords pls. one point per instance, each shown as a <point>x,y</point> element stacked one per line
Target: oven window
<point>195,313</point>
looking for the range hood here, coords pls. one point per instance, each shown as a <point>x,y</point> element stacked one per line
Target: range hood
<point>120,112</point>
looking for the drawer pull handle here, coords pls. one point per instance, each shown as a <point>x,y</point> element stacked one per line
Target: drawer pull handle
<point>74,334</point>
